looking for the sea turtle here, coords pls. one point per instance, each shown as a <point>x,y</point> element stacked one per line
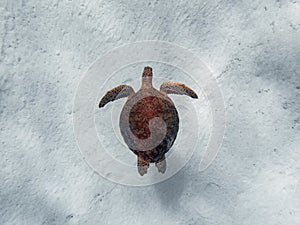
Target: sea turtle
<point>149,121</point>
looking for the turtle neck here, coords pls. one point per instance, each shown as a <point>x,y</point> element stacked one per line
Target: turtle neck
<point>147,82</point>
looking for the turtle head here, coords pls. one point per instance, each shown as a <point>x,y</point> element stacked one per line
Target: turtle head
<point>147,77</point>
<point>147,72</point>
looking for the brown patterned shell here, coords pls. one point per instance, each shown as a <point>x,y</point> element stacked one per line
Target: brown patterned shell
<point>138,113</point>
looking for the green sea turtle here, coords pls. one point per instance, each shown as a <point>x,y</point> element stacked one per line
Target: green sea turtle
<point>149,121</point>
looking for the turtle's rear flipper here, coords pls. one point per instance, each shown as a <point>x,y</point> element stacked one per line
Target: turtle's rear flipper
<point>121,91</point>
<point>177,88</point>
<point>161,166</point>
<point>142,166</point>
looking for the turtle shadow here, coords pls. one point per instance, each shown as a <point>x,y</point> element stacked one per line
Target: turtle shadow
<point>170,191</point>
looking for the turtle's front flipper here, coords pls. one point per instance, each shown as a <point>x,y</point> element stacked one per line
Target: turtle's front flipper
<point>161,166</point>
<point>116,93</point>
<point>177,88</point>
<point>142,166</point>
